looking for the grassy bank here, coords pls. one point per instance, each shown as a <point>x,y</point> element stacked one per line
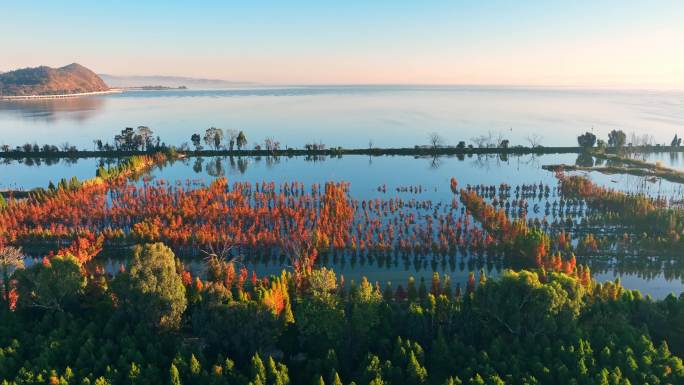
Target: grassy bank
<point>624,165</point>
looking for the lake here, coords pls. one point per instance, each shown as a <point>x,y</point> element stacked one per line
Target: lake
<point>350,117</point>
<point>364,173</point>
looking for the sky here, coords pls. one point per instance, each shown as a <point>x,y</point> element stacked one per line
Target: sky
<point>585,43</point>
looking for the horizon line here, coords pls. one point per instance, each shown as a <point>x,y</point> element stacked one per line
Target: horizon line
<point>427,84</point>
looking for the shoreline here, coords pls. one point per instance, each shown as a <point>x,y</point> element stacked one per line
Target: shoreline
<point>396,151</point>
<point>60,96</point>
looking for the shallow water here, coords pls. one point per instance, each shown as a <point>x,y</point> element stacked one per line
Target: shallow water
<point>364,173</point>
<point>654,284</point>
<point>367,174</point>
<point>27,174</point>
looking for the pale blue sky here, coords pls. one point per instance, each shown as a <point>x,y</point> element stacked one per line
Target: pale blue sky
<point>617,43</point>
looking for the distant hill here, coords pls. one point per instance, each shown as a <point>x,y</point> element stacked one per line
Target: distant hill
<point>71,79</point>
<point>168,81</point>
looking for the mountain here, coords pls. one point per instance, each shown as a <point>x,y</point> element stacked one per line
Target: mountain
<point>71,79</point>
<point>168,81</point>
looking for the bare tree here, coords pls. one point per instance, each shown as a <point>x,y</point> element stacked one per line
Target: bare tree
<point>11,258</point>
<point>221,249</point>
<point>302,254</point>
<point>231,135</point>
<point>436,141</point>
<point>488,140</point>
<point>313,146</point>
<point>641,140</point>
<point>66,147</point>
<point>271,144</point>
<point>498,140</point>
<point>480,141</point>
<point>534,140</point>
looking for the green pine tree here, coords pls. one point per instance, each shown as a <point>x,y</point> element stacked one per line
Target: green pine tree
<point>336,379</point>
<point>258,370</point>
<point>422,289</point>
<point>174,376</point>
<point>412,293</point>
<point>195,366</point>
<point>416,373</point>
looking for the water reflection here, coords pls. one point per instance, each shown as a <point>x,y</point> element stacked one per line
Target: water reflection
<point>347,116</point>
<point>53,110</point>
<point>585,160</point>
<point>656,276</point>
<point>28,173</point>
<point>668,159</point>
<point>214,166</point>
<point>364,173</point>
<point>31,161</point>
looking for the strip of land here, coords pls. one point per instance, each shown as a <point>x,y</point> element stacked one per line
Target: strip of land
<point>664,173</point>
<point>336,151</point>
<point>60,96</point>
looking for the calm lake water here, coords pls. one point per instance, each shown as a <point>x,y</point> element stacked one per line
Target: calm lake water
<point>350,117</point>
<point>364,173</point>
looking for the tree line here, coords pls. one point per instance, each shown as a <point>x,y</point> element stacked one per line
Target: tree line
<point>618,139</point>
<point>143,139</point>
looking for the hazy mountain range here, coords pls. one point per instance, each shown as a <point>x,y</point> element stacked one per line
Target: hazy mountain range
<point>117,81</point>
